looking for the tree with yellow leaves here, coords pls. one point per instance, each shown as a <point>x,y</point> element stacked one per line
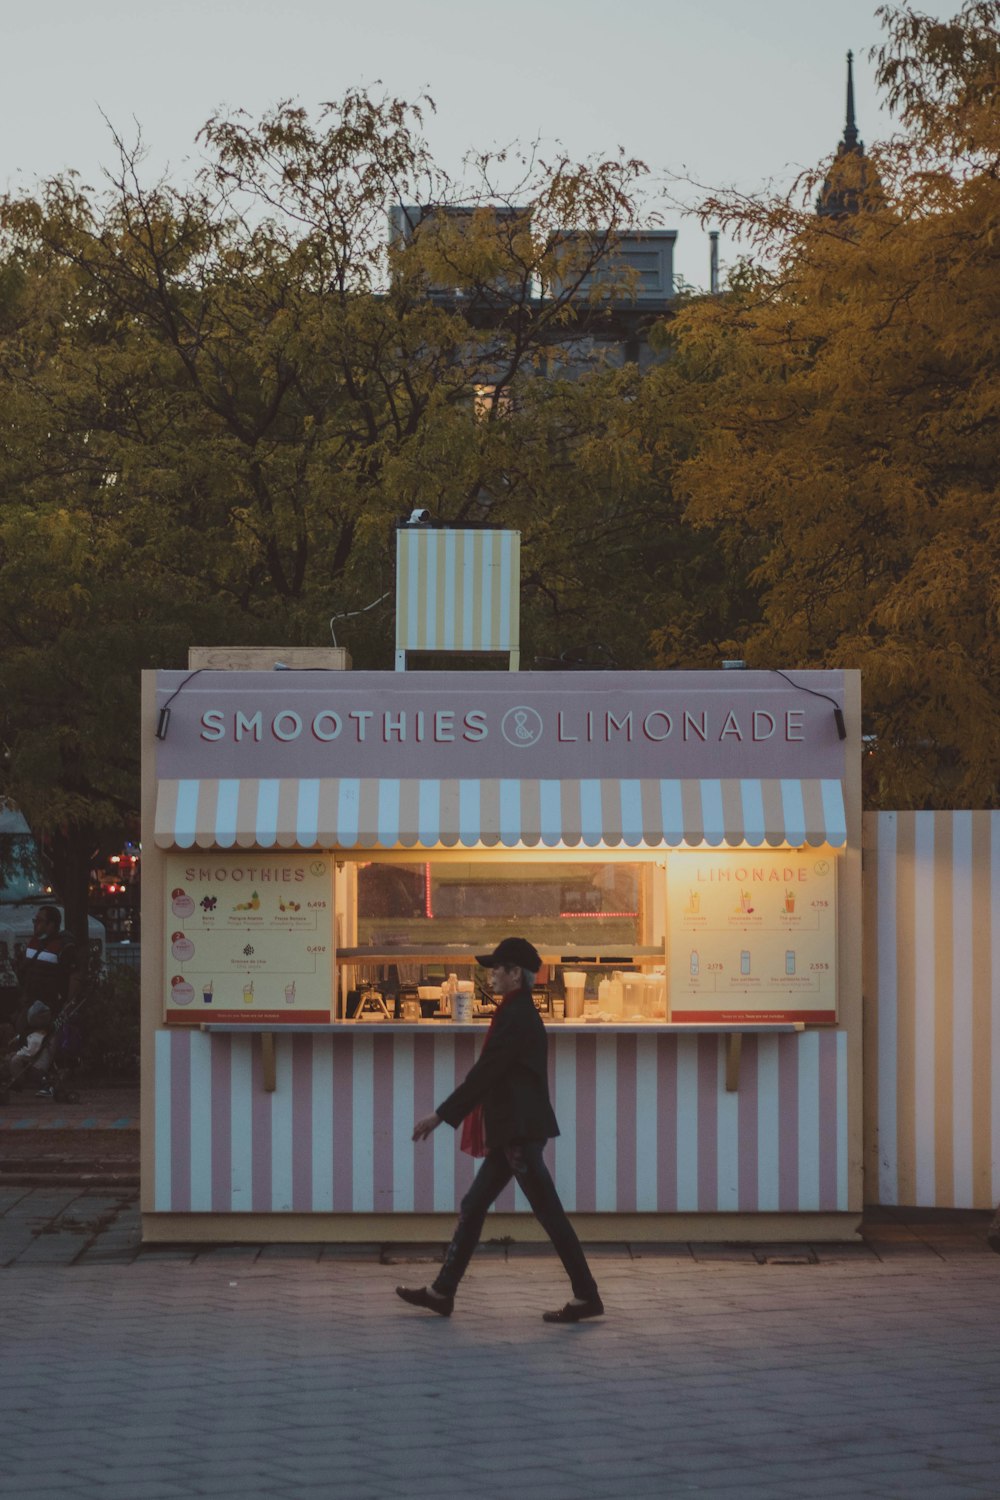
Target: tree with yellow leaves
<point>219,399</point>
<point>843,401</point>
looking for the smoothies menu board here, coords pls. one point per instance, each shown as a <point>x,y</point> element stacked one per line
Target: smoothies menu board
<point>249,938</point>
<point>753,936</point>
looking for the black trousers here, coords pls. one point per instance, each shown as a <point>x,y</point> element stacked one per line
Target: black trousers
<point>523,1161</point>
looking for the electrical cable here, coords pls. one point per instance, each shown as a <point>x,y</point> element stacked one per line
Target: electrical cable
<point>350,613</point>
<point>163,719</point>
<point>838,712</point>
<point>164,715</point>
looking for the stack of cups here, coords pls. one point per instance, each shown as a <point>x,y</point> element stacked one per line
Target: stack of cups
<point>461,1001</point>
<point>574,981</point>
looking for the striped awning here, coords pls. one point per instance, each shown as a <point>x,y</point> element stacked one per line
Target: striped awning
<point>355,813</point>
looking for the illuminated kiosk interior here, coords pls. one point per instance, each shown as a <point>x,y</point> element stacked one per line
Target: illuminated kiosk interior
<point>327,851</point>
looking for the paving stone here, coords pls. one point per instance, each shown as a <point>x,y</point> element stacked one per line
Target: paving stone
<point>104,1254</point>
<point>668,1250</point>
<point>137,1488</point>
<point>290,1252</point>
<point>359,1252</point>
<point>42,1205</point>
<point>712,1252</point>
<point>167,1252</point>
<point>404,1255</point>
<point>60,1250</point>
<point>9,1196</point>
<point>849,1251</point>
<point>227,1252</point>
<point>900,1249</point>
<point>12,1243</point>
<point>958,1245</point>
<point>783,1254</point>
<point>69,1491</point>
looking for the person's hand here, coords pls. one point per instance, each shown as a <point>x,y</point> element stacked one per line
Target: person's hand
<point>423,1128</point>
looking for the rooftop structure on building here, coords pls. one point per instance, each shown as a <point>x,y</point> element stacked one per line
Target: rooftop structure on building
<point>852,183</point>
<point>626,284</point>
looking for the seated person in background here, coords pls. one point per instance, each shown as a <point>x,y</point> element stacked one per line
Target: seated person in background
<point>24,1063</point>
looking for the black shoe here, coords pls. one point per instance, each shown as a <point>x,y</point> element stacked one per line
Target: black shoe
<point>575,1312</point>
<point>419,1296</point>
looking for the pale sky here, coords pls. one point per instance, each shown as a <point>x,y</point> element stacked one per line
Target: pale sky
<point>730,93</point>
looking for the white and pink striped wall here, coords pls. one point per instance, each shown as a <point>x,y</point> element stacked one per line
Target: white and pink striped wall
<point>931,888</point>
<point>648,1125</point>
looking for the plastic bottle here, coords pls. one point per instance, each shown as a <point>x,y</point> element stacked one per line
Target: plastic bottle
<point>462,1008</point>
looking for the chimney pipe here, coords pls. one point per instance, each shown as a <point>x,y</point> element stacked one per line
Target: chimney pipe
<point>713,260</point>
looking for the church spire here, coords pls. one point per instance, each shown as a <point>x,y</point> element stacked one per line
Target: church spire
<point>851,183</point>
<point>851,142</point>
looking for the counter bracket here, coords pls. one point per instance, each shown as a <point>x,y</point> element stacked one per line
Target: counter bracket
<point>267,1061</point>
<point>734,1052</point>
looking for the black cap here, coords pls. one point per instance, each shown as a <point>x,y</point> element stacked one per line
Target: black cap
<point>512,953</point>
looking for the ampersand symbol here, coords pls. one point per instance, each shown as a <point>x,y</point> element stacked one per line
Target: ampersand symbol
<point>521,727</point>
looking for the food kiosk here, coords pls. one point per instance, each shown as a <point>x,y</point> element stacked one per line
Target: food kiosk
<point>324,851</point>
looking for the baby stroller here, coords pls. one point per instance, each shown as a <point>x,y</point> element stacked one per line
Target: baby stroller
<point>49,1073</point>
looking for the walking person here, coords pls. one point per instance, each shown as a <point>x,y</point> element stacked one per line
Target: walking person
<point>506,1116</point>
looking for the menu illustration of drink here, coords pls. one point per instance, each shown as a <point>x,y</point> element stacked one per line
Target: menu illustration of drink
<point>249,939</point>
<point>752,935</point>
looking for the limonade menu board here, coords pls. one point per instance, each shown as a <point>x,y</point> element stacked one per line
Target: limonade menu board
<point>753,935</point>
<point>249,939</point>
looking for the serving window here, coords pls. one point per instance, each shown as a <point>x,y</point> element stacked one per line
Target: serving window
<point>563,906</point>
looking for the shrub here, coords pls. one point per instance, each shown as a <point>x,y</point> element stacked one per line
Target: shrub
<point>108,1028</point>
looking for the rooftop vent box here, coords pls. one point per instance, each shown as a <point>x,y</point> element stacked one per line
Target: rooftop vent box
<point>642,262</point>
<point>407,221</point>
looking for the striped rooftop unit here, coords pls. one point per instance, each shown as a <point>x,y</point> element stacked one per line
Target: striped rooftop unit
<point>457,590</point>
<point>351,812</point>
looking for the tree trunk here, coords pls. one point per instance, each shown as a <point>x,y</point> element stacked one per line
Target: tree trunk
<point>70,854</point>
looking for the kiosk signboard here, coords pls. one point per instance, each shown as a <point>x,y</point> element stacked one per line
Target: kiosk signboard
<point>248,938</point>
<point>753,936</point>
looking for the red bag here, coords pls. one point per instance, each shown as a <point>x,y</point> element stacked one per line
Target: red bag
<point>473,1141</point>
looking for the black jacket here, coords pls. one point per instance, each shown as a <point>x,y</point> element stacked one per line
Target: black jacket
<point>509,1079</point>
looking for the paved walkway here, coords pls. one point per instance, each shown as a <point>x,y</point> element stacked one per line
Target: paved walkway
<point>776,1372</point>
<point>866,1370</point>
